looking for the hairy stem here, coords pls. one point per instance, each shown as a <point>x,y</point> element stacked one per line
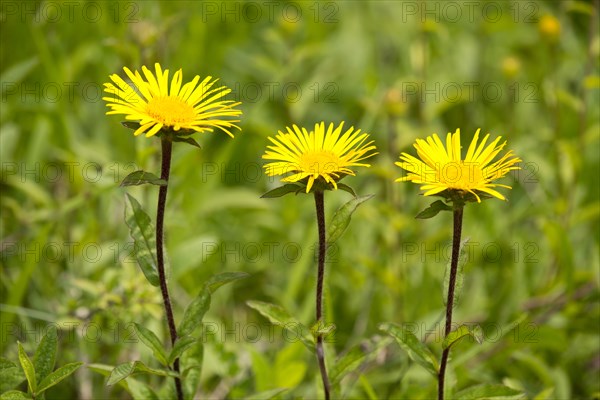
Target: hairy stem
<point>319,204</point>
<point>166,145</point>
<point>458,217</point>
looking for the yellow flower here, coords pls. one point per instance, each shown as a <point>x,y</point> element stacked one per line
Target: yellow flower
<point>326,154</point>
<point>441,169</point>
<point>549,27</point>
<point>155,105</point>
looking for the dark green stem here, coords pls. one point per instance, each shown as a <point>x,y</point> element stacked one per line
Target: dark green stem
<point>166,145</point>
<point>458,217</point>
<point>319,205</point>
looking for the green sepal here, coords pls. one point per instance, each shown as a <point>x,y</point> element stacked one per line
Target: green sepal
<point>434,209</point>
<point>185,139</point>
<point>164,131</point>
<point>283,190</point>
<point>140,177</point>
<point>346,188</point>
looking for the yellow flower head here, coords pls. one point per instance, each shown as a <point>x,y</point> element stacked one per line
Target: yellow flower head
<point>156,105</point>
<point>441,169</point>
<point>326,154</point>
<point>549,27</point>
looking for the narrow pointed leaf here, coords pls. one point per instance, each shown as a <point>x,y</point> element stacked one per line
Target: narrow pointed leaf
<point>417,351</point>
<point>281,191</point>
<point>459,275</point>
<point>193,314</point>
<point>454,336</point>
<point>488,391</point>
<point>267,394</point>
<point>278,316</point>
<point>187,140</point>
<point>191,363</point>
<point>137,178</point>
<point>142,232</point>
<point>181,345</point>
<point>125,370</point>
<point>58,375</point>
<point>356,357</point>
<point>15,395</point>
<point>218,280</point>
<point>45,354</point>
<point>11,375</point>
<point>341,218</point>
<point>28,368</point>
<point>150,339</point>
<point>434,209</point>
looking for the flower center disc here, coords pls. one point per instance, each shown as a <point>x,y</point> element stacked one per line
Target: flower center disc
<point>458,175</point>
<point>170,111</point>
<point>319,162</point>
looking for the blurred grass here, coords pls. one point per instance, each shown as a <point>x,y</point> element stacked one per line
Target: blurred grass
<point>378,67</point>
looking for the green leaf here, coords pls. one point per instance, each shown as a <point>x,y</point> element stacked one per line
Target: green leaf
<point>45,354</point>
<point>417,351</point>
<point>434,209</point>
<point>150,339</point>
<point>58,375</point>
<point>28,368</point>
<point>341,218</point>
<point>454,336</point>
<point>282,191</point>
<point>15,395</point>
<point>278,316</point>
<point>138,390</point>
<point>142,232</point>
<point>355,357</point>
<point>137,178</point>
<point>191,364</point>
<point>267,394</point>
<point>10,375</point>
<point>127,369</point>
<point>488,391</point>
<point>218,280</point>
<point>459,275</point>
<point>346,188</point>
<point>187,140</point>
<point>181,345</point>
<point>193,314</point>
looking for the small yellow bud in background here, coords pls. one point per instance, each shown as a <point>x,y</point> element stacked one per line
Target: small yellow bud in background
<point>549,27</point>
<point>511,67</point>
<point>394,104</point>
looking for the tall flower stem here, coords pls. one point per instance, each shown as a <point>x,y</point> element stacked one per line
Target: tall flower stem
<point>457,230</point>
<point>319,205</point>
<point>166,147</point>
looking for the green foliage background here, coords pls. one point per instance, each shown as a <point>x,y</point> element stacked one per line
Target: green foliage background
<point>374,64</point>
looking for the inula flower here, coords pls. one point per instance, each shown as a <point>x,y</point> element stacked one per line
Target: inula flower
<point>156,105</point>
<point>443,168</point>
<point>325,154</point>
